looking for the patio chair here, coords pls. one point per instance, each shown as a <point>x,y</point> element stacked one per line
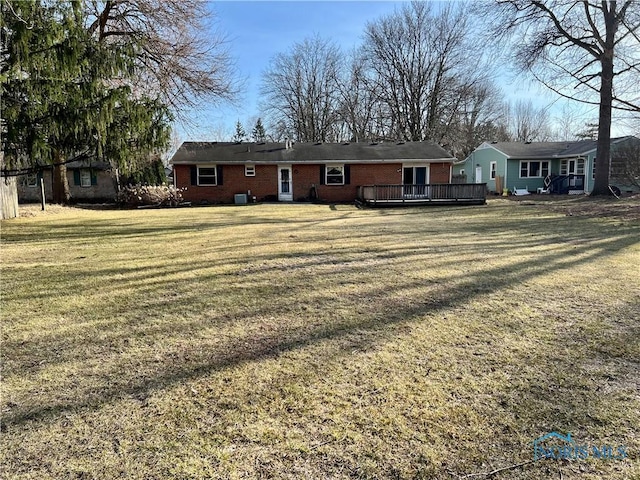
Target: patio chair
<point>521,191</point>
<point>547,185</point>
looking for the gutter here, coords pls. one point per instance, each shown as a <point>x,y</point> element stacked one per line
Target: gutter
<point>313,162</point>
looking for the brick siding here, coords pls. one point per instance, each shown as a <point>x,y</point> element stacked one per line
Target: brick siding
<point>264,186</point>
<point>440,173</point>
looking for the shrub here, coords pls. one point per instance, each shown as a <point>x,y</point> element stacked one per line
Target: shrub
<point>162,195</point>
<point>149,174</point>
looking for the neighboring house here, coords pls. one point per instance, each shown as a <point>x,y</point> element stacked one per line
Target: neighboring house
<point>215,172</point>
<point>88,182</point>
<point>568,167</point>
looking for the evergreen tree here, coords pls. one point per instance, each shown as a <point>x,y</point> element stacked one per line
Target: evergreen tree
<point>64,94</point>
<point>590,132</point>
<point>258,133</point>
<point>240,134</point>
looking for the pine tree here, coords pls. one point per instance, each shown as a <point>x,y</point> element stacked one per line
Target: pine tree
<point>258,133</point>
<point>65,96</point>
<point>240,134</point>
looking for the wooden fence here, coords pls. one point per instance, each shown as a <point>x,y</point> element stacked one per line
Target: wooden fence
<point>8,197</point>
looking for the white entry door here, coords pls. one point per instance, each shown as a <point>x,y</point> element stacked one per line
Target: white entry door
<point>478,174</point>
<point>285,185</point>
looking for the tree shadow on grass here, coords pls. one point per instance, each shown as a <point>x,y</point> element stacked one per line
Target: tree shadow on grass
<point>356,262</point>
<point>399,309</point>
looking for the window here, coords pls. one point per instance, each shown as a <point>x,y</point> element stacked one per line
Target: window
<point>207,176</point>
<point>249,170</point>
<point>415,176</point>
<point>85,177</point>
<point>572,167</point>
<point>335,175</point>
<point>493,170</point>
<point>593,169</point>
<point>534,169</point>
<point>32,180</point>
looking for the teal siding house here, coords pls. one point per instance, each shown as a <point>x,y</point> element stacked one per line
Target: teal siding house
<point>552,167</point>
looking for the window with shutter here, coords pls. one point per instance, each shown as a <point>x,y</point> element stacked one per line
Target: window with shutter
<point>207,176</point>
<point>334,175</point>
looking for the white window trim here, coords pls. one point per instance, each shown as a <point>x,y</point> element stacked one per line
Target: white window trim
<point>214,167</point>
<point>564,166</point>
<point>493,170</point>
<point>249,171</point>
<point>540,162</point>
<point>326,174</point>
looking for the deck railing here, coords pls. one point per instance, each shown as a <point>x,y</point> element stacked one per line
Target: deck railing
<point>564,183</point>
<point>437,193</point>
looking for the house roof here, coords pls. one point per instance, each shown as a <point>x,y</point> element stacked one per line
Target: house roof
<point>520,150</point>
<point>227,152</point>
<point>89,164</point>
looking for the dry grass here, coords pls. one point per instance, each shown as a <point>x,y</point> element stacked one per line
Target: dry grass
<point>296,341</point>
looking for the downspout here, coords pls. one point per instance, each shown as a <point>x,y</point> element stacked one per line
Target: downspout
<point>587,173</point>
<point>506,182</point>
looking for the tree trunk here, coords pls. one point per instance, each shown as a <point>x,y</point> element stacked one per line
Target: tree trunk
<point>603,152</point>
<point>60,190</point>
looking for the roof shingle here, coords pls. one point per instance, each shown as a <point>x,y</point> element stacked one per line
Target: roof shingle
<point>226,152</point>
<point>547,149</point>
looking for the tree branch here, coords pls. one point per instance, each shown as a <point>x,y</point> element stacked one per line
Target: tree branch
<point>576,41</point>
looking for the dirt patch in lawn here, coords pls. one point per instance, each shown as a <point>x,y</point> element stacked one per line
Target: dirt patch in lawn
<point>627,208</point>
<point>35,210</point>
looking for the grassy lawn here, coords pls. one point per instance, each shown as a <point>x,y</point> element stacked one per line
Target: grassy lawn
<point>300,341</point>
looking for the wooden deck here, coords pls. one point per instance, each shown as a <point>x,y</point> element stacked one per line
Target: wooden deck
<point>432,194</point>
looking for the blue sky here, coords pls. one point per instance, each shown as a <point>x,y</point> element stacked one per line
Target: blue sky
<point>258,30</point>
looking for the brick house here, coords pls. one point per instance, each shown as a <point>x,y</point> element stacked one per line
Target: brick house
<point>215,172</point>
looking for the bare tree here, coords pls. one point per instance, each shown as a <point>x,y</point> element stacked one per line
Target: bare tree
<point>479,116</point>
<point>300,89</point>
<point>357,101</point>
<point>567,122</point>
<point>527,123</point>
<point>579,49</point>
<point>180,54</point>
<point>421,59</point>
